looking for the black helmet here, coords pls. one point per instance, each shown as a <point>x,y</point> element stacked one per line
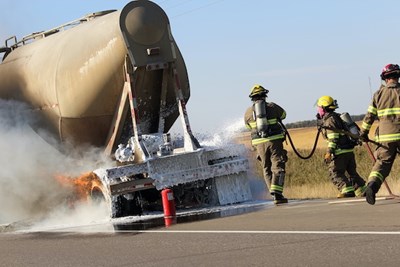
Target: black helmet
<point>390,71</point>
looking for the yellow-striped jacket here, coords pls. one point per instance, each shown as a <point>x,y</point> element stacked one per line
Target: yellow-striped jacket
<point>332,130</point>
<point>385,106</point>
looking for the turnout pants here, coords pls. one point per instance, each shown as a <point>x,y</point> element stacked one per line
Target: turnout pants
<point>338,167</point>
<point>273,158</point>
<point>385,156</point>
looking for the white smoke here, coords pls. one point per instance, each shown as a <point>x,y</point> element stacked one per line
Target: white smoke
<point>92,215</point>
<point>28,188</point>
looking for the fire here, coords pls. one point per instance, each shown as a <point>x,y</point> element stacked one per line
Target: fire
<point>81,186</point>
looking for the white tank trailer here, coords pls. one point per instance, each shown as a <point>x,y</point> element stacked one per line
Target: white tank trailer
<point>116,79</point>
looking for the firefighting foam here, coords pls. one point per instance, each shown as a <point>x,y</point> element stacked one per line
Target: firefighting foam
<point>226,135</point>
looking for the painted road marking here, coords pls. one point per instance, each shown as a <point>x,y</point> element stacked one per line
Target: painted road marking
<point>357,200</point>
<point>263,232</point>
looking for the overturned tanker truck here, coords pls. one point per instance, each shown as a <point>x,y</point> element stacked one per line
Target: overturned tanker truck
<point>117,80</point>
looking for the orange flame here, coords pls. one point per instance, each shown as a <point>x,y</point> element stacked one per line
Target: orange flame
<point>81,186</point>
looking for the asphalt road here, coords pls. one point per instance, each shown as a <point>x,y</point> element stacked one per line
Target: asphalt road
<point>306,233</point>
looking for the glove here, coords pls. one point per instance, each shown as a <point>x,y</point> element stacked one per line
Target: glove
<point>328,157</point>
<point>364,136</point>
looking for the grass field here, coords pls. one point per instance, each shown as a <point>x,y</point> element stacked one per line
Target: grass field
<point>308,179</point>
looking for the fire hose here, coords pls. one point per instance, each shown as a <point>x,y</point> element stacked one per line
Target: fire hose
<point>293,146</point>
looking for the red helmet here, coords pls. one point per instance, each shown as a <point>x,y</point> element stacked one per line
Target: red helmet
<point>390,71</point>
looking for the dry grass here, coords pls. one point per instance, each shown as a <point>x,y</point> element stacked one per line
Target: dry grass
<point>322,190</point>
<point>307,179</point>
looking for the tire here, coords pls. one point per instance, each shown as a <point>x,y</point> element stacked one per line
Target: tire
<point>126,205</point>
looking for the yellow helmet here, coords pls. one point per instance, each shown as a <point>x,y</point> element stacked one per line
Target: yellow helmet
<point>258,90</point>
<point>327,102</point>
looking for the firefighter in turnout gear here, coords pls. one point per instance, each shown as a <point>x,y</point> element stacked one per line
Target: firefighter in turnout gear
<point>384,107</point>
<point>339,155</point>
<point>267,136</point>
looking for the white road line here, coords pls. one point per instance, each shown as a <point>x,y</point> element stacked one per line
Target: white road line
<point>263,232</point>
<point>357,200</point>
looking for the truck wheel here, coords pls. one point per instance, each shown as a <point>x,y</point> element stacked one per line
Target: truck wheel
<point>97,196</point>
<point>126,205</point>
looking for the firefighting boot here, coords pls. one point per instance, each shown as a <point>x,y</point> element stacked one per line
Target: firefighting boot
<point>347,191</point>
<point>346,195</point>
<point>360,192</point>
<point>279,199</point>
<point>370,192</point>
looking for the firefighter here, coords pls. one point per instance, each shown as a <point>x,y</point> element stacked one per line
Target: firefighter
<point>267,136</point>
<point>339,155</point>
<point>385,107</point>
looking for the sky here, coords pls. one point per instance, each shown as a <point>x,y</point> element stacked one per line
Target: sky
<point>298,49</point>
